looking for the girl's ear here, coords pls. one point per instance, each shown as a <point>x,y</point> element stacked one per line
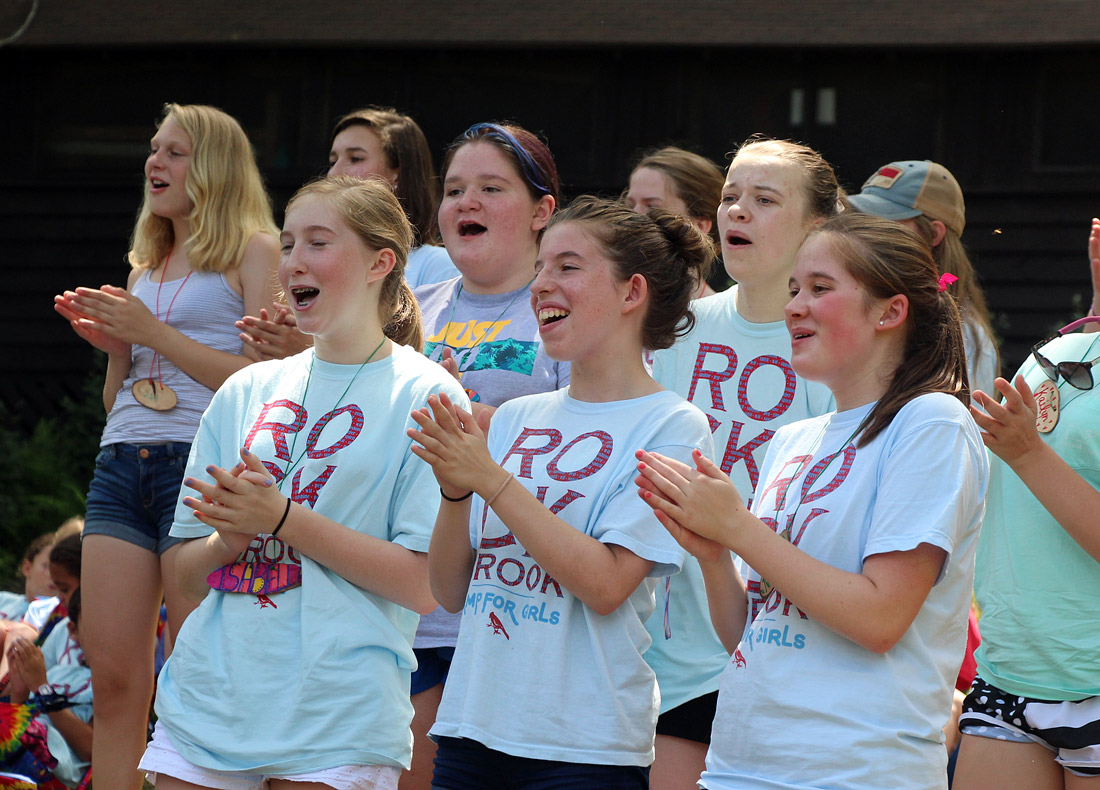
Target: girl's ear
<point>703,223</point>
<point>384,261</point>
<point>939,230</point>
<point>635,291</point>
<point>544,207</point>
<point>893,312</point>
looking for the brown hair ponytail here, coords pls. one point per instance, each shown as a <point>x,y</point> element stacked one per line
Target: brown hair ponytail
<point>888,259</point>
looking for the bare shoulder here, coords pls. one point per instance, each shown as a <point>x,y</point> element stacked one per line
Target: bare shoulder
<point>255,277</point>
<point>132,278</point>
<point>261,252</point>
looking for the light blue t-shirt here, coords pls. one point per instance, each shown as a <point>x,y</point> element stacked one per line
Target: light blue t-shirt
<point>13,606</point>
<point>496,343</point>
<point>67,673</point>
<point>739,374</point>
<point>316,676</point>
<point>1038,590</point>
<point>801,706</point>
<point>428,264</point>
<point>536,673</point>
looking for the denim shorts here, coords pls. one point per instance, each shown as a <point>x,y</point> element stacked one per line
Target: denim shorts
<point>134,492</point>
<point>432,666</point>
<point>463,764</point>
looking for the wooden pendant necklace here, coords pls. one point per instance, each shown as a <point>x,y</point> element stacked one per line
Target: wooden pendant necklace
<point>156,394</point>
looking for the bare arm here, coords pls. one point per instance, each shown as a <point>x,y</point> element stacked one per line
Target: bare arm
<point>198,558</point>
<point>76,732</point>
<point>601,575</point>
<point>235,504</point>
<point>116,313</point>
<point>1008,429</point>
<point>726,600</point>
<point>450,556</point>
<point>873,608</point>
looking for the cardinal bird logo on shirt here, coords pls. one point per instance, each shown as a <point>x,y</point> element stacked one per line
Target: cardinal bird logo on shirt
<point>738,659</point>
<point>497,626</point>
<point>265,602</point>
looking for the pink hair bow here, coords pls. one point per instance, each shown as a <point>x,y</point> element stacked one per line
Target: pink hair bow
<point>947,279</point>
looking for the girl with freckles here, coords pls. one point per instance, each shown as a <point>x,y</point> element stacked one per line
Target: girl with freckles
<point>307,532</point>
<point>849,624</point>
<point>540,541</point>
<point>203,253</point>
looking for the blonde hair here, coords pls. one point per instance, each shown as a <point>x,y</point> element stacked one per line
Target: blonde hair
<point>228,202</point>
<point>371,210</point>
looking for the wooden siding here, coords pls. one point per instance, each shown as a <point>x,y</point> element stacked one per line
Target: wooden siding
<point>1008,124</point>
<point>600,23</point>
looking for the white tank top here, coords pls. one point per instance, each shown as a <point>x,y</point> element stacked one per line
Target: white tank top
<point>204,310</point>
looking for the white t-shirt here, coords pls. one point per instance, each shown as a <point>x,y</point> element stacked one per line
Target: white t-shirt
<point>316,676</point>
<point>740,375</point>
<point>801,706</point>
<point>536,673</point>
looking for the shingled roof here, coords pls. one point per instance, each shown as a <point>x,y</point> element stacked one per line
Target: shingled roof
<point>794,23</point>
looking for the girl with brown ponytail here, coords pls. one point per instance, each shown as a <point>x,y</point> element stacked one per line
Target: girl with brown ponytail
<point>858,552</point>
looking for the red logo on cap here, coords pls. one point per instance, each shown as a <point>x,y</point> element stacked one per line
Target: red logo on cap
<point>884,178</point>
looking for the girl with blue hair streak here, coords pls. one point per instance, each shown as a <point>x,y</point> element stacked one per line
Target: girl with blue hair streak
<point>500,187</point>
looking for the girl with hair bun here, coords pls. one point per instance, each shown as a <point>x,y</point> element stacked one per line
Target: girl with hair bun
<point>680,181</point>
<point>540,541</point>
<point>735,366</point>
<point>203,253</point>
<point>307,533</point>
<point>858,550</point>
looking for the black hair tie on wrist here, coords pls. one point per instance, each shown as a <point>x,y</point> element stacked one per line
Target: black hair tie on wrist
<point>465,496</point>
<point>282,521</point>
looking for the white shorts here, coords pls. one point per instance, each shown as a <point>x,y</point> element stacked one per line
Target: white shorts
<point>161,757</point>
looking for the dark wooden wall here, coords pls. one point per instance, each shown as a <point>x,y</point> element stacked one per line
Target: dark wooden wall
<point>1018,129</point>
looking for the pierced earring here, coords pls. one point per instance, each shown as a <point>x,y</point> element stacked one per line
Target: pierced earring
<point>882,323</point>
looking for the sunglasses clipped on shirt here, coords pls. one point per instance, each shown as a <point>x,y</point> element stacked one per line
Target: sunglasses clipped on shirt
<point>1077,374</point>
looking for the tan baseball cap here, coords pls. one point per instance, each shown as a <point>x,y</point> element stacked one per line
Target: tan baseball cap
<point>903,190</point>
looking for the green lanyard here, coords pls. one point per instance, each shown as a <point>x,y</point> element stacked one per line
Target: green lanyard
<point>291,465</point>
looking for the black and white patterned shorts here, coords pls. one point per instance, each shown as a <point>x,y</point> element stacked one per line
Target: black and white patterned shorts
<point>1069,729</point>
